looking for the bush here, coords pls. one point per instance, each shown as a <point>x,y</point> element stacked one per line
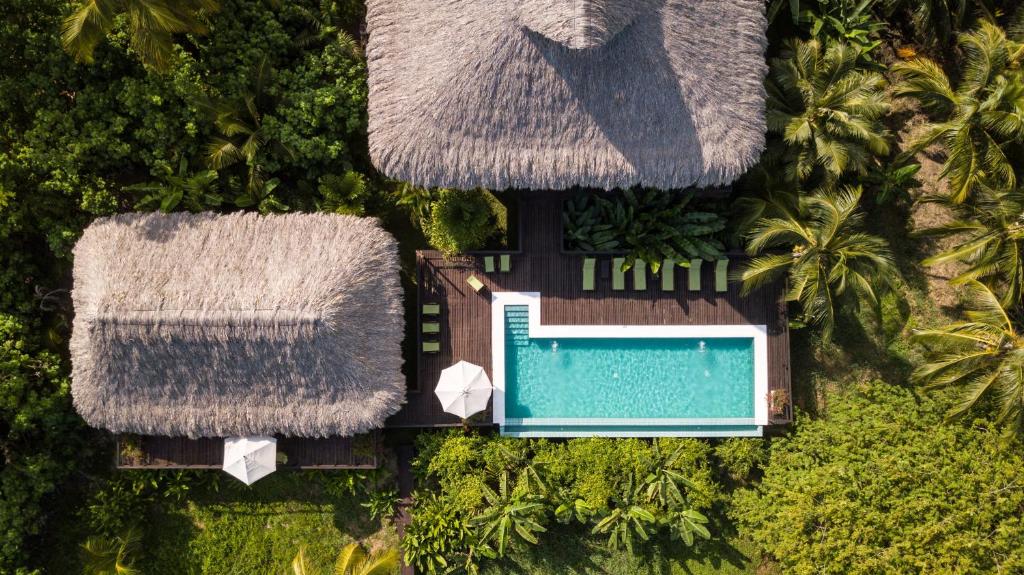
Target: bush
<point>460,221</point>
<point>741,456</point>
<point>882,485</point>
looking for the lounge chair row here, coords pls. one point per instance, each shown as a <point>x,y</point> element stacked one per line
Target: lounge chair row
<point>668,274</point>
<point>430,315</point>
<point>505,263</point>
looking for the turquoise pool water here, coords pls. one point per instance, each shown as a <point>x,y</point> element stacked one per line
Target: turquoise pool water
<point>626,378</point>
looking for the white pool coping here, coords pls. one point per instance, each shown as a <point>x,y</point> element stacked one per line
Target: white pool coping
<point>499,300</point>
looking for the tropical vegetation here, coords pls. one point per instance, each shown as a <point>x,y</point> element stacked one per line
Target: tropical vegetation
<point>890,184</point>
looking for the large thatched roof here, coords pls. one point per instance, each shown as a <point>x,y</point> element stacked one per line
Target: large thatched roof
<point>550,94</point>
<point>206,325</point>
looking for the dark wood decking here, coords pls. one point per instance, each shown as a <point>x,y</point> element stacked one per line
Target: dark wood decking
<point>148,452</point>
<point>541,266</point>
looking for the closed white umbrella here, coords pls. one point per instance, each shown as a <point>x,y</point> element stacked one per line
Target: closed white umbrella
<point>250,458</point>
<point>463,389</point>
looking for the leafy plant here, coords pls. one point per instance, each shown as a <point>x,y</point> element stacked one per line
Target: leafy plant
<point>460,221</point>
<point>345,194</point>
<point>352,560</point>
<point>628,521</point>
<point>415,200</point>
<point>893,180</point>
<point>112,555</point>
<point>979,121</point>
<point>829,256</point>
<point>849,21</point>
<point>826,110</point>
<point>649,225</point>
<point>436,534</point>
<point>982,355</point>
<point>511,513</point>
<point>151,24</point>
<point>382,503</point>
<point>684,524</point>
<point>195,192</point>
<point>936,22</point>
<point>991,232</point>
<point>740,456</point>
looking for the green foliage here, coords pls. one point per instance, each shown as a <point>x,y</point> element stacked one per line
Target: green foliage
<point>826,110</point>
<point>195,192</point>
<point>936,22</point>
<point>112,555</point>
<point>650,225</point>
<point>740,456</point>
<point>982,355</point>
<point>849,21</point>
<point>511,514</point>
<point>880,485</point>
<point>382,503</point>
<point>990,240</point>
<point>460,221</point>
<point>345,194</point>
<point>151,25</point>
<point>979,122</point>
<point>352,560</point>
<point>830,257</point>
<point>437,533</point>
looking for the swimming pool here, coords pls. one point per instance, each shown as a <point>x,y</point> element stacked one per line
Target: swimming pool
<point>624,380</point>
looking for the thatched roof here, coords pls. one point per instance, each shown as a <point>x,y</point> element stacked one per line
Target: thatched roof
<point>210,326</point>
<point>551,94</point>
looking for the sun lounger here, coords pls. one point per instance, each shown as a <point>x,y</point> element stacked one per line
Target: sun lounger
<point>721,275</point>
<point>695,264</point>
<point>506,263</point>
<point>489,264</point>
<point>618,276</point>
<point>431,309</point>
<point>431,346</point>
<point>588,273</point>
<point>431,327</point>
<point>640,275</point>
<point>668,275</point>
<point>475,283</point>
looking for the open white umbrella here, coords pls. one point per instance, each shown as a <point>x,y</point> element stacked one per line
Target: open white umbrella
<point>463,389</point>
<point>250,458</point>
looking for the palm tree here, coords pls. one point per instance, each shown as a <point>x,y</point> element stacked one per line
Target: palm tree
<point>979,120</point>
<point>151,25</point>
<point>511,512</point>
<point>352,560</point>
<point>629,520</point>
<point>114,556</point>
<point>992,244</point>
<point>984,355</point>
<point>826,110</point>
<point>935,22</point>
<point>829,256</point>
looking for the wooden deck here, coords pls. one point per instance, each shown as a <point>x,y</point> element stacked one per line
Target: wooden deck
<point>541,266</point>
<point>149,452</point>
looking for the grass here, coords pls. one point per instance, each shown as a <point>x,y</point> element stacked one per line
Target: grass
<point>258,529</point>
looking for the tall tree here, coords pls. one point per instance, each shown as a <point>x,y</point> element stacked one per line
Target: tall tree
<point>827,111</point>
<point>978,121</point>
<point>151,25</point>
<point>991,232</point>
<point>983,355</point>
<point>829,258</point>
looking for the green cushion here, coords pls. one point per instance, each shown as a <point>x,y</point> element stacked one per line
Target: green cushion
<point>506,263</point>
<point>489,264</point>
<point>475,283</point>
<point>588,274</point>
<point>722,275</point>
<point>668,275</point>
<point>695,274</point>
<point>431,309</point>
<point>640,275</point>
<point>431,346</point>
<point>431,327</point>
<point>618,276</point>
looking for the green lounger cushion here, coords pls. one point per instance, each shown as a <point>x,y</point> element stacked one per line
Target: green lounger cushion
<point>431,346</point>
<point>695,274</point>
<point>431,309</point>
<point>506,263</point>
<point>668,275</point>
<point>618,276</point>
<point>431,327</point>
<point>722,275</point>
<point>640,275</point>
<point>489,264</point>
<point>588,273</point>
<point>475,283</point>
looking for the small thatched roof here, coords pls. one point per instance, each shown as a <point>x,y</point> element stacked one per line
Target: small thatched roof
<point>551,94</point>
<point>209,326</point>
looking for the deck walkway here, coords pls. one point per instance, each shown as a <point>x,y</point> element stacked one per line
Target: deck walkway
<point>541,266</point>
<point>152,452</point>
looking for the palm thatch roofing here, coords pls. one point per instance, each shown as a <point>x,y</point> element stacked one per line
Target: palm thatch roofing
<point>210,325</point>
<point>551,94</point>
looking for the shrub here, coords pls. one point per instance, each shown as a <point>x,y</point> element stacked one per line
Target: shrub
<point>882,485</point>
<point>741,456</point>
<point>436,533</point>
<point>460,221</point>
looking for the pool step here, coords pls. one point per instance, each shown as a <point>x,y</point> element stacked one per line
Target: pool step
<point>517,326</point>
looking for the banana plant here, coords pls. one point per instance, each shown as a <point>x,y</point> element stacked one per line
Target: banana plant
<point>512,514</point>
<point>661,485</point>
<point>686,523</point>
<point>629,520</point>
<point>195,192</point>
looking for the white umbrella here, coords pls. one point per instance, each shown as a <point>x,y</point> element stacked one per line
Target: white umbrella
<point>250,458</point>
<point>463,389</point>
